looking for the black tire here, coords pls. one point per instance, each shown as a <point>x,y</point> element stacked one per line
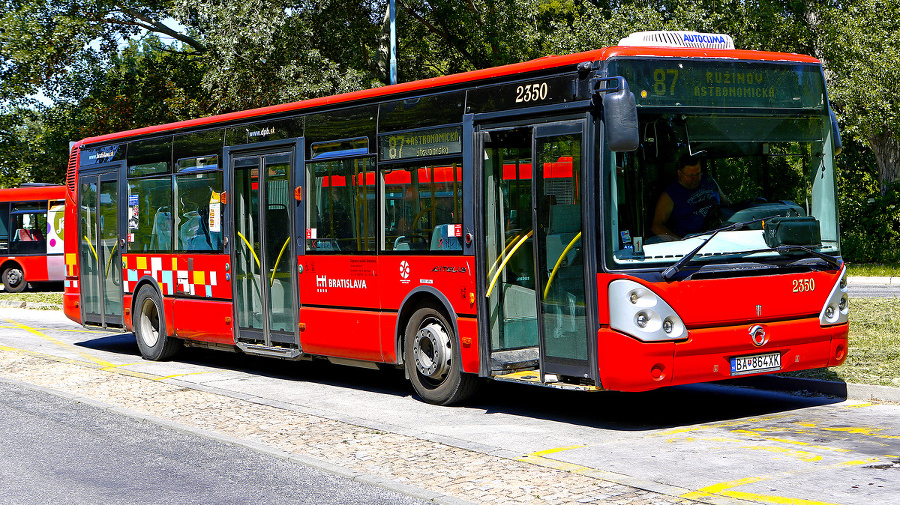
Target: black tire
<point>150,327</point>
<point>14,279</point>
<point>431,356</point>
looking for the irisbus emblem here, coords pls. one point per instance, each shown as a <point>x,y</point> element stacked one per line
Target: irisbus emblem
<point>758,335</point>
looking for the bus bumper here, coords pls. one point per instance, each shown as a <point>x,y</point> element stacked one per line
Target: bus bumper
<point>627,364</point>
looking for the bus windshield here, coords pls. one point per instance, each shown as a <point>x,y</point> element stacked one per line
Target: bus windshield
<point>739,170</point>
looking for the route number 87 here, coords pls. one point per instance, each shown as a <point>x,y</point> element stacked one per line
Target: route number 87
<point>660,81</point>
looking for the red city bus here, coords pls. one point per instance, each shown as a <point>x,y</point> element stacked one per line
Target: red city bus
<point>493,224</point>
<point>31,235</point>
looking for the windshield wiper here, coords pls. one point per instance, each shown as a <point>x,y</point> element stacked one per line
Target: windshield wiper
<point>674,269</point>
<point>828,259</point>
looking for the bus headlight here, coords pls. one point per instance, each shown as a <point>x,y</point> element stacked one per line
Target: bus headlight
<point>641,313</point>
<point>837,307</point>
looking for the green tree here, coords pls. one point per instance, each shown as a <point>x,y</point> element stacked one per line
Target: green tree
<point>41,41</point>
<point>861,49</point>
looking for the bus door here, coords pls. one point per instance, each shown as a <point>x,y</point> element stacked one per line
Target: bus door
<point>533,260</point>
<point>263,254</point>
<point>100,247</point>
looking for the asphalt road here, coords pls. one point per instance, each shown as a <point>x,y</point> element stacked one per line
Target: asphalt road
<point>706,442</point>
<point>58,450</point>
<point>874,291</point>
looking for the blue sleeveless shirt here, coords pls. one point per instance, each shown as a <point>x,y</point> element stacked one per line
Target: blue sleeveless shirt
<point>692,206</point>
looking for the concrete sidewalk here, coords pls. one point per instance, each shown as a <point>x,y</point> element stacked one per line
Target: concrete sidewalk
<point>873,281</point>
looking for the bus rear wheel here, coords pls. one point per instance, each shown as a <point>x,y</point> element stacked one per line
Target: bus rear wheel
<point>150,327</point>
<point>431,356</point>
<point>14,279</point>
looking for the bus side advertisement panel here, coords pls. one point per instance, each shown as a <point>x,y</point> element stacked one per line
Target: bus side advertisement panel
<point>452,276</point>
<point>339,281</point>
<point>56,268</point>
<point>203,276</point>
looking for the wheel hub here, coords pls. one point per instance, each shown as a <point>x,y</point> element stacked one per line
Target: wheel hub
<point>432,351</point>
<point>14,277</point>
<point>149,323</point>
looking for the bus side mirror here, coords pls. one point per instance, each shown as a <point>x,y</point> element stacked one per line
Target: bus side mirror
<point>619,114</point>
<point>835,134</point>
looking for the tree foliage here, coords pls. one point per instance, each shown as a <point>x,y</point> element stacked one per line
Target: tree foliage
<point>106,65</point>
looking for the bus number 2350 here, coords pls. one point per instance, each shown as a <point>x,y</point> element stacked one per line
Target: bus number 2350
<point>804,285</point>
<point>531,92</point>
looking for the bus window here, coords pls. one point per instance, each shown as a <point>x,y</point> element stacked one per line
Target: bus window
<point>4,227</point>
<point>28,228</point>
<point>198,217</point>
<point>150,215</point>
<point>423,207</point>
<point>341,216</point>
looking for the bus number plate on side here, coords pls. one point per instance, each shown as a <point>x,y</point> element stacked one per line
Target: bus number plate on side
<point>757,363</point>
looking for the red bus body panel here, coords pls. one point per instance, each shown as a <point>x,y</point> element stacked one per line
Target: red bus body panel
<point>33,193</point>
<point>349,305</point>
<point>718,314</point>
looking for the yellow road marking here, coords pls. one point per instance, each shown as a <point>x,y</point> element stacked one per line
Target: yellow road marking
<point>801,455</point>
<point>73,330</point>
<point>537,458</point>
<point>726,488</point>
<point>853,430</point>
<point>183,374</point>
<point>60,343</point>
<point>856,406</point>
<point>71,361</point>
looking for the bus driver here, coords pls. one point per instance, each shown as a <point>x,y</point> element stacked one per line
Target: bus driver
<point>682,209</point>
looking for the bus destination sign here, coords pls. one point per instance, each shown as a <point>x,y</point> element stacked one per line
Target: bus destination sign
<point>435,142</point>
<point>715,83</point>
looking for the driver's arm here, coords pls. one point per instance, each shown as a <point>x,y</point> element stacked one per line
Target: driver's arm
<point>661,216</point>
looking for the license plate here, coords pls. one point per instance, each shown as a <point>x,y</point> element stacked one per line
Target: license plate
<point>756,363</point>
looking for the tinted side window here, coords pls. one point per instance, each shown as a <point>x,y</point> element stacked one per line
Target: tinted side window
<point>28,228</point>
<point>423,207</point>
<point>350,123</point>
<point>148,157</point>
<point>198,149</point>
<point>198,212</point>
<point>342,207</point>
<point>422,112</point>
<point>150,215</point>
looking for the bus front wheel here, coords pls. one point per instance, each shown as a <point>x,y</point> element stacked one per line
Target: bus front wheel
<point>431,357</point>
<point>150,327</point>
<point>14,279</point>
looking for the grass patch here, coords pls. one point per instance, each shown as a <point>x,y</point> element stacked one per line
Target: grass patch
<point>42,297</point>
<point>874,269</point>
<point>874,345</point>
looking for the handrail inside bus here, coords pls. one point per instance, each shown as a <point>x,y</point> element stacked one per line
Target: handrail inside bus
<point>509,244</point>
<point>109,262</point>
<point>505,261</point>
<point>250,247</point>
<point>275,265</point>
<point>559,262</point>
<point>92,248</point>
